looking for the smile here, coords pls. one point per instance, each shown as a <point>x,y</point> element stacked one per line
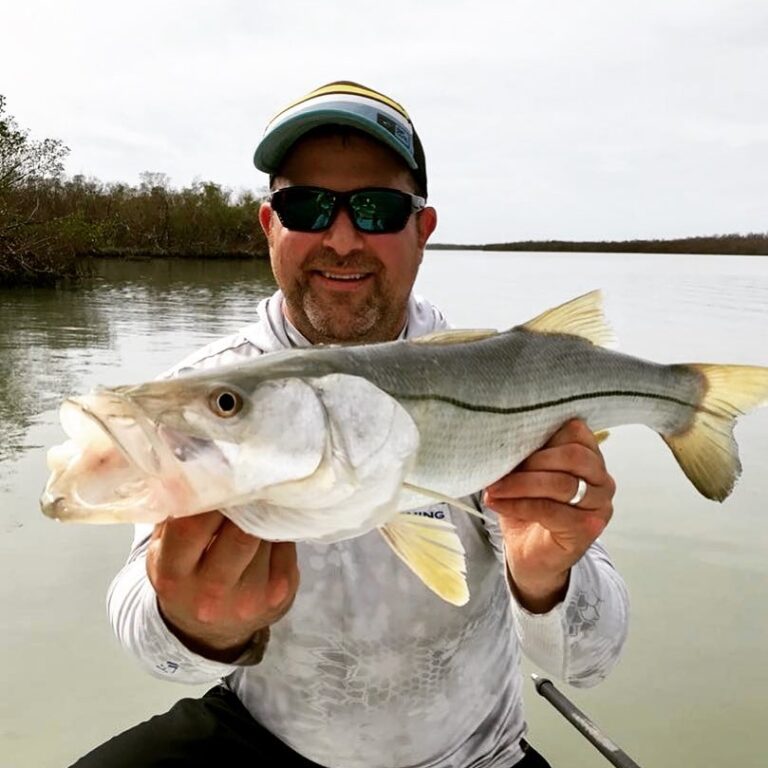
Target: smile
<point>335,276</point>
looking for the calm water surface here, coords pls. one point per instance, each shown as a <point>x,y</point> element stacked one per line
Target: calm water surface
<point>692,687</point>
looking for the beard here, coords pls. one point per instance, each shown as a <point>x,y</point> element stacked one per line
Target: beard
<point>376,312</point>
<point>342,320</point>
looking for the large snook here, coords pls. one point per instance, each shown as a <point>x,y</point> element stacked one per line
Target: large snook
<point>328,443</point>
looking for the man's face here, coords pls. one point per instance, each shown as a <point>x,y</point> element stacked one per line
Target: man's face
<point>342,285</point>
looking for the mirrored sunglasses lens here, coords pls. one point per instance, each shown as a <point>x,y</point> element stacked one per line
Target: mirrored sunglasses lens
<point>304,210</point>
<point>380,211</point>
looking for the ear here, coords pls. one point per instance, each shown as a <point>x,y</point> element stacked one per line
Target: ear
<point>265,219</point>
<point>426,222</point>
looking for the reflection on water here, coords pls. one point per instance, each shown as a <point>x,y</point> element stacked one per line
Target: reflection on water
<point>57,342</point>
<point>42,333</point>
<point>691,687</point>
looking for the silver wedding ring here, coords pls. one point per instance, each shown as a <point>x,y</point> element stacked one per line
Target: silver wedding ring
<point>581,492</point>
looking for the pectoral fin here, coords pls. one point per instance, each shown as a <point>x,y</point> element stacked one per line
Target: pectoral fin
<point>454,336</point>
<point>437,496</point>
<point>433,551</point>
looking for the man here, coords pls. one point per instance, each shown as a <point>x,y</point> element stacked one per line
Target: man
<point>361,665</point>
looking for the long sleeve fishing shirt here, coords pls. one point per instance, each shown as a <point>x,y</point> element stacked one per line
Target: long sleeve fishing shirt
<point>369,669</point>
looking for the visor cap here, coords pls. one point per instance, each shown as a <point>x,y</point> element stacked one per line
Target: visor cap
<point>343,103</point>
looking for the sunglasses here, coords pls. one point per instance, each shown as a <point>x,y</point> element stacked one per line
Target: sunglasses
<point>374,210</point>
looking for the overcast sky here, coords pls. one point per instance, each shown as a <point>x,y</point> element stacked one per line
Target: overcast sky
<point>541,119</point>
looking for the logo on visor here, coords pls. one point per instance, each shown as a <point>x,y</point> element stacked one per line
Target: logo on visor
<point>396,130</point>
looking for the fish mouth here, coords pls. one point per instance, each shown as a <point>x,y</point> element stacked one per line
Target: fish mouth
<point>116,462</point>
<point>53,505</point>
<point>123,422</point>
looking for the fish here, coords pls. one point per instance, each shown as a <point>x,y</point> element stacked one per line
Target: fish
<point>331,442</point>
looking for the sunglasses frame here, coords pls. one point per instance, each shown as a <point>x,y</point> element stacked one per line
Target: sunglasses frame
<point>340,199</point>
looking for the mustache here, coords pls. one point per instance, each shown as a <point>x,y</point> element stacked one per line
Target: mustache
<point>326,258</point>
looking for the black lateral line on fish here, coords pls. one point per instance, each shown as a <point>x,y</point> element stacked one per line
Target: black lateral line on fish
<point>547,403</point>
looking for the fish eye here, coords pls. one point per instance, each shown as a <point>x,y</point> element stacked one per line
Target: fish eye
<point>225,402</point>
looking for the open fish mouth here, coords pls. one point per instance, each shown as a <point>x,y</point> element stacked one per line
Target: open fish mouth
<point>115,461</point>
<point>122,422</point>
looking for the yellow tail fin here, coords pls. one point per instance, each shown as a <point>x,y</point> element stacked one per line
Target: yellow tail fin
<point>707,451</point>
<point>433,551</point>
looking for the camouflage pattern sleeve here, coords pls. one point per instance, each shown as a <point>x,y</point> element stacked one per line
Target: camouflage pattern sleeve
<point>579,640</point>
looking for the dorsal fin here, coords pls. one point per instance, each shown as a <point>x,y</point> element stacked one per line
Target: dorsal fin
<point>580,317</point>
<point>455,336</point>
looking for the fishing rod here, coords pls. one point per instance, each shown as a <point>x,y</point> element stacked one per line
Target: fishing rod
<point>612,752</point>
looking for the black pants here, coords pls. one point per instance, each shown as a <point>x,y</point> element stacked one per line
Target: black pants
<point>204,732</point>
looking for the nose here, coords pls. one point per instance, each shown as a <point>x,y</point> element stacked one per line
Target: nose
<point>341,236</point>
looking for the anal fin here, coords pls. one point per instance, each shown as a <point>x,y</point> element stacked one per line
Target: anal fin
<point>602,436</point>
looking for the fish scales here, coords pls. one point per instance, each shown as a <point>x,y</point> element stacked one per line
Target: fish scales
<point>483,406</point>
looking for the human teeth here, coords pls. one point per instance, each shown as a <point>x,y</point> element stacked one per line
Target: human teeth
<point>341,277</point>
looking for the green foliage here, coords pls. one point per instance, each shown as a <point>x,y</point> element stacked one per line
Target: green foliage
<point>30,249</point>
<point>752,244</point>
<point>203,219</point>
<point>23,160</point>
<point>50,224</point>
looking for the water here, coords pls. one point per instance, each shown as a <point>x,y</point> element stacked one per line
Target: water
<point>692,687</point>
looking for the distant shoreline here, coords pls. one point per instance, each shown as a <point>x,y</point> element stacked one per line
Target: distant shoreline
<point>753,244</point>
<point>147,254</point>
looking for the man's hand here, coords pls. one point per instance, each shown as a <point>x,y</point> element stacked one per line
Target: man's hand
<point>216,585</point>
<point>543,535</point>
